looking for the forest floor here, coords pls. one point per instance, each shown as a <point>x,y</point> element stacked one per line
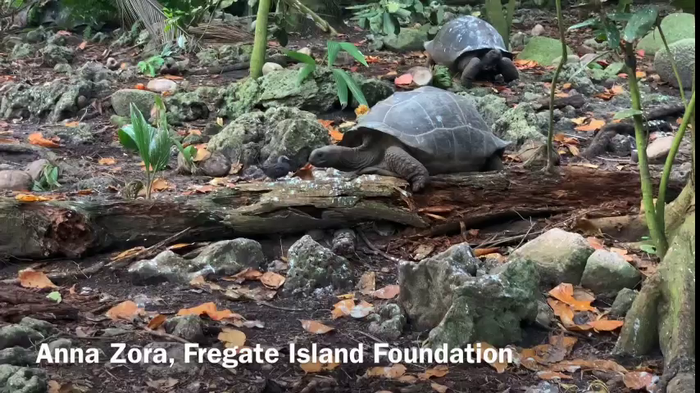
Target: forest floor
<point>281,316</point>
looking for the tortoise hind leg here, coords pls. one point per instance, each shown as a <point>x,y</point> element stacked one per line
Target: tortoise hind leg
<point>397,160</point>
<point>494,163</point>
<point>508,70</point>
<point>470,71</point>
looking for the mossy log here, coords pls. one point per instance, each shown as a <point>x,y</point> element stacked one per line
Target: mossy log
<point>93,224</point>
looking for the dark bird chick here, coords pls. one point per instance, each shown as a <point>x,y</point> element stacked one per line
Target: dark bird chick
<point>277,169</point>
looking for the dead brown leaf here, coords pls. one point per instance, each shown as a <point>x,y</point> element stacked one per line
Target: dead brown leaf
<point>107,161</point>
<point>593,125</point>
<point>394,372</point>
<point>126,310</point>
<point>388,292</point>
<point>30,278</point>
<point>211,311</point>
<point>232,338</point>
<point>367,283</point>
<point>38,139</point>
<point>272,280</point>
<point>157,321</point>
<point>315,327</point>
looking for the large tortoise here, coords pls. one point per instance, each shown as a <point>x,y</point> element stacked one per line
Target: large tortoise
<point>473,47</point>
<point>415,134</point>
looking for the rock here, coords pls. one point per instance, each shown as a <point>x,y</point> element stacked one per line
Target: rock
<point>188,327</point>
<point>278,266</point>
<point>15,379</point>
<point>388,322</point>
<point>490,308</point>
<point>607,272</point>
<point>543,50</point>
<point>584,85</point>
<point>545,314</point>
<point>519,125</point>
<point>344,242</point>
<point>683,382</point>
<point>43,327</point>
<point>658,149</point>
<point>36,168</point>
<point>313,266</point>
<point>623,302</point>
<point>54,54</point>
<point>518,40</point>
<point>225,55</point>
<point>21,51</point>
<point>590,58</point>
<point>142,99</point>
<point>543,387</point>
<point>407,40</point>
<point>161,85</point>
<point>621,145</point>
<point>63,68</point>
<point>256,136</point>
<point>538,30</point>
<point>112,63</point>
<point>570,60</point>
<point>680,173</point>
<point>305,51</point>
<point>17,356</point>
<point>35,36</point>
<point>271,67</point>
<point>63,343</point>
<point>180,369</point>
<point>491,107</point>
<point>99,183</point>
<point>217,165</point>
<point>683,52</point>
<point>166,266</point>
<point>191,105</point>
<point>585,49</point>
<point>427,287</point>
<point>676,27</point>
<point>18,336</point>
<point>560,256</point>
<point>15,180</point>
<point>592,43</point>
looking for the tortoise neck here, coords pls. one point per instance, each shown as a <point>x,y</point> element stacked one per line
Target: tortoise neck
<point>359,157</point>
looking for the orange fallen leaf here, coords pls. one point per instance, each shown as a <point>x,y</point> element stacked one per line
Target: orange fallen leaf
<point>173,77</point>
<point>641,74</point>
<point>566,86</point>
<point>39,140</point>
<point>372,59</point>
<point>232,338</point>
<point>499,367</point>
<point>605,325</point>
<point>272,280</point>
<point>579,120</point>
<point>361,110</point>
<point>596,243</point>
<point>342,308</point>
<point>563,311</point>
<point>388,292</point>
<point>140,86</point>
<point>594,125</point>
<point>202,153</point>
<point>617,90</point>
<point>362,310</point>
<point>315,327</point>
<point>249,274</point>
<point>126,310</point>
<point>160,185</point>
<point>640,380</point>
<point>552,375</point>
<point>30,278</point>
<point>72,124</point>
<point>107,161</point>
<point>480,252</point>
<point>393,372</point>
<point>210,310</point>
<point>316,367</point>
<point>565,293</point>
<point>31,198</point>
<point>404,80</point>
<point>437,372</point>
<point>562,95</point>
<point>525,64</point>
<point>305,173</point>
<point>157,321</point>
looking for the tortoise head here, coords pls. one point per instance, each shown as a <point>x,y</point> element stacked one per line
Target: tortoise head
<point>491,59</point>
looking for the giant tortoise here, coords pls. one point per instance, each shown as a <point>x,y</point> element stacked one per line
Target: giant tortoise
<point>415,134</point>
<point>473,47</point>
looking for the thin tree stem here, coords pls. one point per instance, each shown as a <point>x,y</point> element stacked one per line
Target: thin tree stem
<point>564,56</point>
<point>673,65</point>
<point>655,228</point>
<point>260,44</point>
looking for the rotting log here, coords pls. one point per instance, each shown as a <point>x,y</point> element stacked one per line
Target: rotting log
<point>92,223</point>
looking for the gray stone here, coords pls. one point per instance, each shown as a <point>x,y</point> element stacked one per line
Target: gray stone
<point>21,51</point>
<point>490,308</point>
<point>41,326</point>
<point>519,125</point>
<point>142,99</point>
<point>14,180</point>
<point>36,167</point>
<point>15,379</point>
<point>63,343</point>
<point>623,302</point>
<point>407,40</point>
<point>560,256</point>
<point>99,183</point>
<point>166,266</point>
<point>188,327</point>
<point>607,273</point>
<point>313,266</point>
<point>621,145</point>
<point>179,370</point>
<point>388,322</point>
<point>55,54</point>
<point>545,314</point>
<point>427,287</point>
<point>63,68</point>
<point>538,30</point>
<point>571,60</point>
<point>543,387</point>
<point>17,356</point>
<point>270,67</point>
<point>161,85</point>
<point>658,149</point>
<point>683,52</point>
<point>518,40</point>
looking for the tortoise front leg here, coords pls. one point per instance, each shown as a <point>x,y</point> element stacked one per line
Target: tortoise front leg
<point>397,160</point>
<point>508,70</point>
<point>429,62</point>
<point>470,71</point>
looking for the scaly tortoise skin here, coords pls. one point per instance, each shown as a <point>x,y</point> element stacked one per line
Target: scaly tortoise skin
<point>473,47</point>
<point>415,134</point>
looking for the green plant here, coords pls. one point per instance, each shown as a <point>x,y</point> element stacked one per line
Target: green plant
<point>48,180</point>
<point>622,30</point>
<point>501,19</point>
<point>387,16</point>
<point>153,144</point>
<point>151,65</point>
<point>344,82</point>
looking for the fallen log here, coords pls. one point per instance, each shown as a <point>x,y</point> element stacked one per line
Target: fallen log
<point>93,224</point>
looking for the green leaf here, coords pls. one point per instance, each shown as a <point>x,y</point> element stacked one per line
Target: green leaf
<point>300,57</point>
<point>403,13</point>
<point>333,50</point>
<point>392,6</point>
<point>354,88</point>
<point>648,248</point>
<point>620,16</point>
<point>363,23</point>
<point>585,23</point>
<point>389,27</point>
<point>55,296</point>
<point>627,113</point>
<point>612,35</point>
<point>354,52</point>
<point>341,86</point>
<point>305,72</point>
<point>127,137</point>
<point>418,7</point>
<point>641,23</point>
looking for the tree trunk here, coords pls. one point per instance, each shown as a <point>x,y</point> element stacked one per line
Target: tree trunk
<point>260,46</point>
<point>663,314</point>
<point>451,202</point>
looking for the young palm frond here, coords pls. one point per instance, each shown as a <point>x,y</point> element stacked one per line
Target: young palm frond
<point>150,13</point>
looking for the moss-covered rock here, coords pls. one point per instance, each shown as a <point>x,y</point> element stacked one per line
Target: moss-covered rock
<point>193,105</point>
<point>21,51</point>
<point>312,266</point>
<point>442,77</point>
<point>683,52</point>
<point>407,40</point>
<point>225,55</point>
<point>142,99</point>
<point>55,54</point>
<point>519,125</point>
<point>676,27</point>
<point>56,101</point>
<point>256,136</point>
<point>543,50</point>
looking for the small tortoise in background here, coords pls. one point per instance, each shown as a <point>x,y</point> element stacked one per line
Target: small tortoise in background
<point>413,135</point>
<point>473,47</point>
